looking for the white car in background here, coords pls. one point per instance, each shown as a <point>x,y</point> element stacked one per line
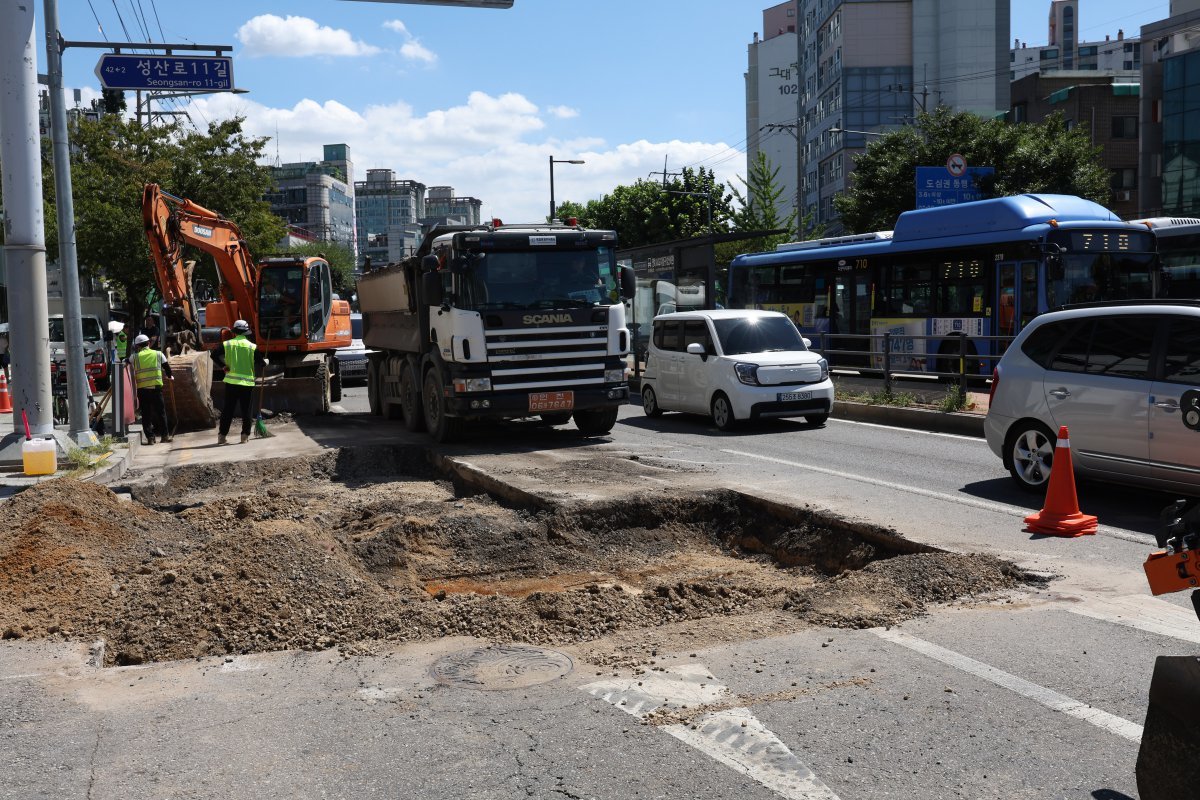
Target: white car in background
<point>1124,378</point>
<point>352,359</point>
<point>734,365</point>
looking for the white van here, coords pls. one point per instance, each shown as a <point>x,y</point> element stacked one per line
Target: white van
<point>734,365</point>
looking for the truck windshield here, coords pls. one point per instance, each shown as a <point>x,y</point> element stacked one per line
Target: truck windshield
<point>757,335</point>
<point>91,330</point>
<point>539,279</point>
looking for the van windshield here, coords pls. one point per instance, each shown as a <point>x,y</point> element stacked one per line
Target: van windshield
<point>740,335</point>
<point>91,330</point>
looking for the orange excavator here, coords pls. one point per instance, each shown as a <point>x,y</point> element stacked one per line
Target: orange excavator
<point>296,320</point>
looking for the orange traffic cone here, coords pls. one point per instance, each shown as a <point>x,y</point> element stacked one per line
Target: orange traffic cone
<point>1061,515</point>
<point>5,397</point>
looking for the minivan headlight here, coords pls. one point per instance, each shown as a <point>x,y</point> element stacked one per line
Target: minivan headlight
<point>824,368</point>
<point>747,373</point>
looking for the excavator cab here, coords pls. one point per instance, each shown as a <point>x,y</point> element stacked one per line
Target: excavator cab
<point>295,300</point>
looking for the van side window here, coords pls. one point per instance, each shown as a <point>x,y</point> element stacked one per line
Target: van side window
<point>1182,364</point>
<point>668,335</point>
<point>1072,353</point>
<point>697,331</point>
<point>1121,346</point>
<point>1042,343</point>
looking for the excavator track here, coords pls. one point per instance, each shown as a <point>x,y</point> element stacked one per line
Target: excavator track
<point>189,396</point>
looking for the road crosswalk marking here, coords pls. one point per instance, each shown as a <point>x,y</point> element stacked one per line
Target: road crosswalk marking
<point>1039,694</point>
<point>732,736</point>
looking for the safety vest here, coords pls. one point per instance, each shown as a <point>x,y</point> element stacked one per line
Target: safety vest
<point>122,344</point>
<point>239,357</point>
<point>147,373</point>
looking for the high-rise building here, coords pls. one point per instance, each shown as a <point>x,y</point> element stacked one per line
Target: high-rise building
<point>827,74</point>
<point>387,213</point>
<point>1112,55</point>
<point>1169,161</point>
<point>318,196</point>
<point>441,203</point>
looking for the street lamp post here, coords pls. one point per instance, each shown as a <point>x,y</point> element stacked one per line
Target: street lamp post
<point>554,161</point>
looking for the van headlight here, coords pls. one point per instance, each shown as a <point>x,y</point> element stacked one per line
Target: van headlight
<point>747,373</point>
<point>614,375</point>
<point>824,368</point>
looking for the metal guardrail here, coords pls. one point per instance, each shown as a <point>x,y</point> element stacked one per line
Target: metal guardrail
<point>964,356</point>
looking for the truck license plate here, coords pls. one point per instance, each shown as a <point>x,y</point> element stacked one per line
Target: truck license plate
<point>786,397</point>
<point>551,401</point>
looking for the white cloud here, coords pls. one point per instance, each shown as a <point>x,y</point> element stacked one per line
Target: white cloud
<point>396,25</point>
<point>412,49</point>
<point>269,35</point>
<point>562,112</point>
<point>490,147</point>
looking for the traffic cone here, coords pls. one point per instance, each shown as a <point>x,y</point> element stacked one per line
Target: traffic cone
<point>1061,515</point>
<point>5,397</point>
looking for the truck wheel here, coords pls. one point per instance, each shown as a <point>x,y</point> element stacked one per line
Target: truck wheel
<point>441,427</point>
<point>373,399</point>
<point>410,399</point>
<point>596,421</point>
<point>335,386</point>
<point>557,418</point>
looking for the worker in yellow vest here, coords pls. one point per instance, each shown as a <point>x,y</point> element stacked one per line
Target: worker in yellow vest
<point>149,367</point>
<point>241,361</point>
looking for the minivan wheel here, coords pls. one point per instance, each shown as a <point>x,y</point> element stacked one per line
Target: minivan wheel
<point>722,412</point>
<point>1030,452</point>
<point>650,403</point>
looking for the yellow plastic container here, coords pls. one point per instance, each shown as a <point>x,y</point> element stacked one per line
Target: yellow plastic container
<point>39,456</point>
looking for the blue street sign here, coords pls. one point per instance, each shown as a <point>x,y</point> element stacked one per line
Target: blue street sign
<point>165,73</point>
<point>936,186</point>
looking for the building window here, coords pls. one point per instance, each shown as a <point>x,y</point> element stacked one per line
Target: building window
<point>1124,179</point>
<point>1125,127</point>
<point>1049,55</point>
<point>1020,113</point>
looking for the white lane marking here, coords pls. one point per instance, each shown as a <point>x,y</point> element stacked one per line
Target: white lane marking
<point>733,737</point>
<point>985,505</point>
<point>1039,694</point>
<point>1144,613</point>
<point>895,429</point>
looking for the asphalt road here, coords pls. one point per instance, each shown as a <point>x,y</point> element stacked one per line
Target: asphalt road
<point>1039,698</point>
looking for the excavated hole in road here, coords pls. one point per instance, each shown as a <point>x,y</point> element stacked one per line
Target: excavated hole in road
<point>371,545</point>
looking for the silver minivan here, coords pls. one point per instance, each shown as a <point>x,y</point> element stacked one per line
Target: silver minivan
<point>1125,380</point>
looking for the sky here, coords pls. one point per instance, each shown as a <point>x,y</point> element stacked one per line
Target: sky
<point>481,99</point>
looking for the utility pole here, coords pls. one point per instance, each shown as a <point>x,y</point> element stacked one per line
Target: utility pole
<point>25,238</point>
<point>666,174</point>
<point>77,388</point>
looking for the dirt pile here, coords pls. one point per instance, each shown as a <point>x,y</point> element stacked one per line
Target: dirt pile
<point>356,547</point>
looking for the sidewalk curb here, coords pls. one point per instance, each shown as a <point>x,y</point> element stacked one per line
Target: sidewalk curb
<point>925,419</point>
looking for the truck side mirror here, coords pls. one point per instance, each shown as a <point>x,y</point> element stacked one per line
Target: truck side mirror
<point>628,283</point>
<point>431,289</point>
<point>429,263</point>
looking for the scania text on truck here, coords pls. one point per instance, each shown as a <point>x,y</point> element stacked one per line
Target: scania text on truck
<point>499,322</point>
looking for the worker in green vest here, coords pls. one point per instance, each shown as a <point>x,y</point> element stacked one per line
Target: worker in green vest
<point>122,340</point>
<point>149,366</point>
<point>241,360</point>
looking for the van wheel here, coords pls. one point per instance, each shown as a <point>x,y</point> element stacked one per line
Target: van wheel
<point>816,419</point>
<point>650,403</point>
<point>722,412</point>
<point>1030,455</point>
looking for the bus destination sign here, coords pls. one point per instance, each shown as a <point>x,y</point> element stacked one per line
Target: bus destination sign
<point>165,73</point>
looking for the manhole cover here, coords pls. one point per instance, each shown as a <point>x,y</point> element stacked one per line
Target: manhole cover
<point>502,667</point>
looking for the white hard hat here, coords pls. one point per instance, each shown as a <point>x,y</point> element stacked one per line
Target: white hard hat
<point>241,325</point>
<point>141,339</point>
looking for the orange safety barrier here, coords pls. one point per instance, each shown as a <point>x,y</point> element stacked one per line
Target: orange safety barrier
<point>1061,516</point>
<point>5,398</point>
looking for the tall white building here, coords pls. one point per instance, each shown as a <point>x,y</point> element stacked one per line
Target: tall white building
<point>824,69</point>
<point>1063,52</point>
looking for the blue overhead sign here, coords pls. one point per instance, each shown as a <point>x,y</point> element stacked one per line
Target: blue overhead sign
<point>939,186</point>
<point>165,73</point>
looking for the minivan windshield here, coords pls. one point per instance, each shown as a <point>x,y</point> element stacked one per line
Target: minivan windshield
<point>757,335</point>
<point>91,329</point>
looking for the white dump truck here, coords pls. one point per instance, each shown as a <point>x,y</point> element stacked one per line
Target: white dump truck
<point>499,322</point>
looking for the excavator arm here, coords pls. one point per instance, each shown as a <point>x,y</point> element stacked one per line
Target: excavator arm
<point>172,222</point>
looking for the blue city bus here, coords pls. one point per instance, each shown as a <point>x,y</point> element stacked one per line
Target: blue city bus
<point>975,269</point>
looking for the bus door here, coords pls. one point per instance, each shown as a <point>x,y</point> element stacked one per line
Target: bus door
<point>850,315</point>
<point>1016,298</point>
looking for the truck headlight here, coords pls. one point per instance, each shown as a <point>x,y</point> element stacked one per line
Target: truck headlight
<point>614,375</point>
<point>464,385</point>
<point>747,373</point>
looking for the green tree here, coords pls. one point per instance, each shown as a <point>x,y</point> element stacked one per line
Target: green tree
<point>759,206</point>
<point>1044,157</point>
<point>568,209</point>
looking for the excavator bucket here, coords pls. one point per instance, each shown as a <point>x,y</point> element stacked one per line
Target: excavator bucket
<point>1168,764</point>
<point>189,396</point>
